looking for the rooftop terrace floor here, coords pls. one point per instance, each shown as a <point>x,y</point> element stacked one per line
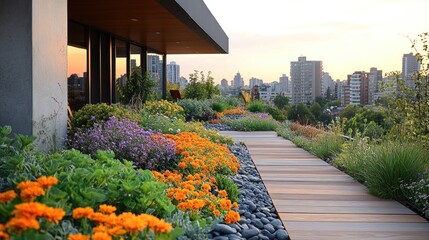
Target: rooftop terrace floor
<point>317,201</point>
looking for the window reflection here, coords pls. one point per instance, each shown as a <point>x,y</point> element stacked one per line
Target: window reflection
<point>120,66</point>
<point>155,67</point>
<point>77,81</point>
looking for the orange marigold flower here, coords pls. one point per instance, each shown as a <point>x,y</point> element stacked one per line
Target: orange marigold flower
<point>29,210</point>
<point>179,196</point>
<point>206,187</point>
<point>30,193</point>
<point>216,213</point>
<point>7,196</point>
<point>27,184</point>
<point>47,182</point>
<point>223,193</point>
<point>225,204</point>
<point>232,217</point>
<point>132,223</point>
<point>108,209</point>
<point>22,223</point>
<point>82,212</point>
<point>4,235</point>
<point>116,231</point>
<point>101,236</point>
<point>100,228</point>
<point>98,217</point>
<point>54,215</point>
<point>182,165</point>
<point>78,236</point>
<point>235,205</point>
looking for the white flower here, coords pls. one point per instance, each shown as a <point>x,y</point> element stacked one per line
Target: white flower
<point>170,129</point>
<point>178,130</point>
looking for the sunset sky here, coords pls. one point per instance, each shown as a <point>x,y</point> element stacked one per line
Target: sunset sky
<point>265,36</point>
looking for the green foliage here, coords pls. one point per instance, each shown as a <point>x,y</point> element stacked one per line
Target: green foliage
<point>212,135</point>
<point>281,101</point>
<point>410,108</point>
<point>164,107</point>
<point>197,109</point>
<point>372,123</point>
<point>316,110</point>
<point>327,146</point>
<point>200,86</point>
<point>162,123</point>
<point>256,106</point>
<point>92,113</point>
<point>231,102</point>
<point>253,122</point>
<point>138,89</point>
<point>350,111</point>
<point>197,229</point>
<point>223,182</point>
<point>219,106</point>
<point>417,194</point>
<point>276,113</point>
<point>393,163</point>
<point>84,181</point>
<point>301,114</point>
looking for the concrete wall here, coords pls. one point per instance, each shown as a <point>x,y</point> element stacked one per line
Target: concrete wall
<point>49,71</point>
<point>16,66</point>
<point>33,69</point>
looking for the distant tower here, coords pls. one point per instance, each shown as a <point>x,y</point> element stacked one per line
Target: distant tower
<point>238,81</point>
<point>224,83</point>
<point>306,79</point>
<point>173,73</point>
<point>410,66</point>
<point>284,83</point>
<point>358,88</point>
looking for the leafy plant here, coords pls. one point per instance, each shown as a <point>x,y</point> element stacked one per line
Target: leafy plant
<point>225,183</point>
<point>128,141</point>
<point>200,87</point>
<point>301,114</point>
<point>256,106</point>
<point>253,122</point>
<point>197,109</point>
<point>417,194</point>
<point>219,107</point>
<point>212,135</point>
<point>281,101</point>
<point>276,113</point>
<point>165,108</point>
<point>138,88</point>
<point>161,123</point>
<point>93,113</point>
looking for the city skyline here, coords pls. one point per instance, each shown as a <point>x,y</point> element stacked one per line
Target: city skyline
<point>346,37</point>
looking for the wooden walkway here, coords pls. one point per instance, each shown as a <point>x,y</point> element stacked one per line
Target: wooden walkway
<point>317,201</point>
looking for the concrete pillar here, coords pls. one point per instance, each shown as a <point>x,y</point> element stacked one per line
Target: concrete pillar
<point>33,69</point>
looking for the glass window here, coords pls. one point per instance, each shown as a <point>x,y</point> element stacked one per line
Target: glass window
<point>155,68</point>
<point>77,81</point>
<point>120,65</point>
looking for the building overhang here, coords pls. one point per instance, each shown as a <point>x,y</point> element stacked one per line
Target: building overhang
<point>166,26</point>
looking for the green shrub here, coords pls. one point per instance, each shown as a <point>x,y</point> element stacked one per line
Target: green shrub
<point>353,158</point>
<point>276,113</point>
<point>212,135</point>
<point>162,123</point>
<point>256,106</point>
<point>219,106</point>
<point>223,182</point>
<point>327,146</point>
<point>197,109</point>
<point>164,107</point>
<point>253,122</point>
<point>138,88</point>
<point>394,163</point>
<point>92,113</point>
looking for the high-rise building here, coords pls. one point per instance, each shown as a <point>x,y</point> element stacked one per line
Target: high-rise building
<point>238,81</point>
<point>173,73</point>
<point>255,82</point>
<point>327,83</point>
<point>154,66</point>
<point>306,79</point>
<point>375,77</point>
<point>410,66</point>
<point>284,83</point>
<point>358,82</point>
<point>339,90</point>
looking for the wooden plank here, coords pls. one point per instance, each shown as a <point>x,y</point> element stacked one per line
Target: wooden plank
<point>318,201</point>
<point>371,218</point>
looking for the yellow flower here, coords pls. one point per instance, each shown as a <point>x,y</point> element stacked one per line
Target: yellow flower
<point>7,196</point>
